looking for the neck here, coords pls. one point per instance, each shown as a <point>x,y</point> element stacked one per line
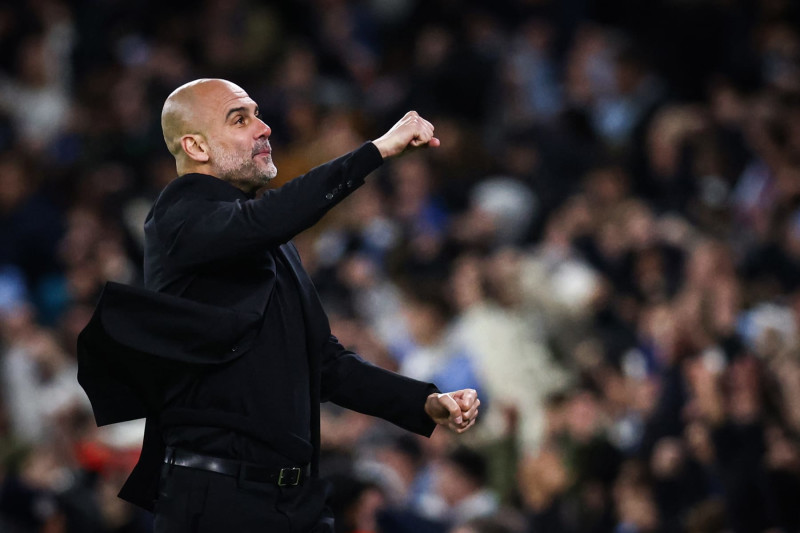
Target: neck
<point>186,168</point>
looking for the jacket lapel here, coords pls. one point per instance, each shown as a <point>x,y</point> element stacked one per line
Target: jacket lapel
<point>315,319</point>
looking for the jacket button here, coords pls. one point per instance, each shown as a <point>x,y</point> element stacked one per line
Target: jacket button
<point>340,186</point>
<point>349,183</point>
<point>234,348</point>
<point>329,196</point>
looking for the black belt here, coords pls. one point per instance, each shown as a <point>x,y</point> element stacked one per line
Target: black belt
<point>283,477</point>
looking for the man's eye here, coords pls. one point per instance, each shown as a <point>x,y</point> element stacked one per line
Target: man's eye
<point>240,120</point>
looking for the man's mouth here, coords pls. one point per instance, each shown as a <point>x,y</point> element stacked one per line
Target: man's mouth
<point>265,151</point>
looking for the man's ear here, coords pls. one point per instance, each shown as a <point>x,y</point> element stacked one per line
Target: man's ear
<point>195,147</point>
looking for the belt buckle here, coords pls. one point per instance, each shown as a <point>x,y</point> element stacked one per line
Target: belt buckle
<point>289,477</point>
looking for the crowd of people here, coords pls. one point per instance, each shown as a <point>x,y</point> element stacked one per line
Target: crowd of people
<point>606,246</point>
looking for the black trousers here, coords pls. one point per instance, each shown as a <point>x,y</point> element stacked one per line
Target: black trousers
<point>197,501</point>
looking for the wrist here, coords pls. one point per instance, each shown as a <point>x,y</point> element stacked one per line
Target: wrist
<point>382,148</point>
<point>431,403</point>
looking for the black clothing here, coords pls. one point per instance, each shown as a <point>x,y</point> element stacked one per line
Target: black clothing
<point>214,261</point>
<point>278,472</point>
<point>284,333</point>
<point>196,501</point>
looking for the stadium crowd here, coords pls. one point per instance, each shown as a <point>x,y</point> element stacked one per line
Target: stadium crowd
<point>606,246</point>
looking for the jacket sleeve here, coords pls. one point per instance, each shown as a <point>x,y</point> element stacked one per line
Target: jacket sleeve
<point>351,382</point>
<point>195,230</point>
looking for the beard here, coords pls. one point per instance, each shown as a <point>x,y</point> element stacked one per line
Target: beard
<point>245,171</point>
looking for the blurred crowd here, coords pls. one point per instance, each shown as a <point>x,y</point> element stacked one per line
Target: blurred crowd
<point>606,246</point>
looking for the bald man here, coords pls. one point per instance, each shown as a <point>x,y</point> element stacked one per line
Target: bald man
<point>228,353</point>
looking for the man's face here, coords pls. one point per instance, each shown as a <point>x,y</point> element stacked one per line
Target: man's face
<point>238,140</point>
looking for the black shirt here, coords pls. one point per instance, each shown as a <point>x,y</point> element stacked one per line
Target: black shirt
<point>282,352</point>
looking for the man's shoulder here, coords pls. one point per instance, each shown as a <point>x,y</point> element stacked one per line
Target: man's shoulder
<point>180,194</point>
<point>200,185</point>
<point>189,188</point>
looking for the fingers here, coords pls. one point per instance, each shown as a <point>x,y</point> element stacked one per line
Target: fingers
<point>465,398</point>
<point>447,401</point>
<point>466,427</point>
<point>411,132</point>
<point>463,408</point>
<point>461,428</point>
<point>422,137</point>
<point>472,412</point>
<point>422,130</point>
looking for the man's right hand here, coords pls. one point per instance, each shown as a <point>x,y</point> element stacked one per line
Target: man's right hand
<point>412,131</point>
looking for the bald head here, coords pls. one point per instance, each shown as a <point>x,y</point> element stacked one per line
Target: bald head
<point>212,126</point>
<point>185,110</point>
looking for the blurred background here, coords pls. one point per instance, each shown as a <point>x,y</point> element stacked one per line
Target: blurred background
<point>606,246</point>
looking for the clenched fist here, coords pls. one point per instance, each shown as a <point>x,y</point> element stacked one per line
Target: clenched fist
<point>411,131</point>
<point>456,410</point>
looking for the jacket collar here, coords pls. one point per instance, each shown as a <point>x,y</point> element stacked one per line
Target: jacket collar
<point>220,188</point>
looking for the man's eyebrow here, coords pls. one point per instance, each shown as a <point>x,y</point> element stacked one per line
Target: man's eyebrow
<point>235,110</point>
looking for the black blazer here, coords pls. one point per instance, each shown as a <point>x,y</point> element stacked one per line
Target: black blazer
<point>207,286</point>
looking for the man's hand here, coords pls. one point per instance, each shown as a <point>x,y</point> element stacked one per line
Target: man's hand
<point>456,410</point>
<point>412,131</point>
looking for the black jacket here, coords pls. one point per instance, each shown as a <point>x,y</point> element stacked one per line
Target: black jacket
<point>207,285</point>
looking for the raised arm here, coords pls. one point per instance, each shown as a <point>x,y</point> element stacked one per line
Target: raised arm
<point>196,228</point>
<point>197,224</point>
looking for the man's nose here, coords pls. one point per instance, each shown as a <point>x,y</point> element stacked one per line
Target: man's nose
<point>263,130</point>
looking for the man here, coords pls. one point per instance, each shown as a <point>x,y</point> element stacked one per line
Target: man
<point>229,352</point>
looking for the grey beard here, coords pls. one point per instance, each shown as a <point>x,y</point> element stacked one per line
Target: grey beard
<point>244,174</point>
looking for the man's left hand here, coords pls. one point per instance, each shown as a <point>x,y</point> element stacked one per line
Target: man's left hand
<point>456,410</point>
